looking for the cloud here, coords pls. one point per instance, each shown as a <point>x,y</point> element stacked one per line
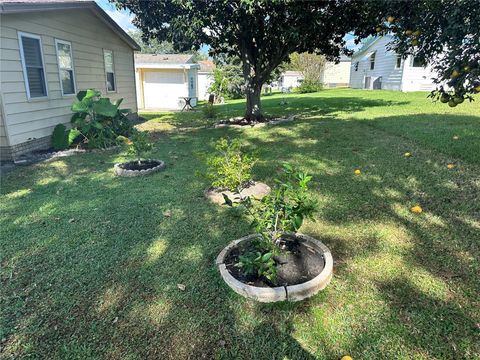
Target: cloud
<point>122,18</point>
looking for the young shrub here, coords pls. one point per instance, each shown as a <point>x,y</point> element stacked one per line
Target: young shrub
<point>282,211</point>
<point>209,111</point>
<point>138,144</point>
<point>229,167</point>
<point>98,120</point>
<point>60,137</point>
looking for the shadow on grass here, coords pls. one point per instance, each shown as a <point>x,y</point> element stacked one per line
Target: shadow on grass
<point>303,106</point>
<point>91,263</point>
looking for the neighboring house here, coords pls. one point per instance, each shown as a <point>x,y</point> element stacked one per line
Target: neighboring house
<point>49,51</point>
<point>337,75</point>
<point>164,80</point>
<point>205,78</point>
<point>290,79</point>
<point>376,67</point>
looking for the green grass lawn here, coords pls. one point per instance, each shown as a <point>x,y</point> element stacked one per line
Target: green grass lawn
<point>90,262</point>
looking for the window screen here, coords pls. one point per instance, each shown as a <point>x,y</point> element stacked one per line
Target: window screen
<point>33,66</point>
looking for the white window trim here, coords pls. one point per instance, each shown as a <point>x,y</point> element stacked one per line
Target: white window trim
<point>24,64</point>
<point>114,72</point>
<point>58,41</point>
<point>416,67</point>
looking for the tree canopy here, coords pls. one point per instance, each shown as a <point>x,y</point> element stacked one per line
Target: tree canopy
<point>443,33</point>
<point>264,33</point>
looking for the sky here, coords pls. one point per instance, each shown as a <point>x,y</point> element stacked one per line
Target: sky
<point>124,19</point>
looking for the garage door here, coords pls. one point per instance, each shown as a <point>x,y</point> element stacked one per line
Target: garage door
<point>162,89</point>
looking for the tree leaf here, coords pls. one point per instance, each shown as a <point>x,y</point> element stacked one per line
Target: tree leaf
<point>104,107</point>
<point>72,135</point>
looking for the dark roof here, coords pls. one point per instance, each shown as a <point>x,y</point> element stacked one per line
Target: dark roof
<point>163,58</point>
<point>20,6</point>
<point>206,65</point>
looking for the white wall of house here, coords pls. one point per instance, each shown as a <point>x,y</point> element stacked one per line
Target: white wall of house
<point>205,80</point>
<point>417,78</point>
<point>35,118</point>
<point>395,74</point>
<point>385,66</point>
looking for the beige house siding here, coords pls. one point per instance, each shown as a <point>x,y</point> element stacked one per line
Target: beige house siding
<point>33,119</point>
<point>336,74</point>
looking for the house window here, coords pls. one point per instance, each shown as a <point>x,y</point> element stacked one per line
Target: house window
<point>109,70</point>
<point>191,83</point>
<point>65,66</point>
<point>356,66</point>
<point>398,64</point>
<point>372,61</point>
<point>416,62</point>
<point>32,63</point>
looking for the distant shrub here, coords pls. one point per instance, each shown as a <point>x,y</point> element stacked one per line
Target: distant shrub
<point>229,167</point>
<point>308,86</point>
<point>209,111</point>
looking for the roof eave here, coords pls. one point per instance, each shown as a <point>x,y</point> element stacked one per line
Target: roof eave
<point>166,66</point>
<point>12,8</point>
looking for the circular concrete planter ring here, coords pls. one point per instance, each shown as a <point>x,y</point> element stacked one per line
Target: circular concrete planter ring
<point>257,190</point>
<point>282,293</point>
<point>121,171</point>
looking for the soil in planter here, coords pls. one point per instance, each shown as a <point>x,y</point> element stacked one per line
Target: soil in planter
<point>142,165</point>
<point>297,264</point>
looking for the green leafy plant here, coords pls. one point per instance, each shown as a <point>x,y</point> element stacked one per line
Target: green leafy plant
<point>137,145</point>
<point>98,120</point>
<point>62,138</point>
<point>229,167</point>
<point>308,86</point>
<point>257,263</point>
<point>59,137</point>
<point>209,111</point>
<point>283,210</point>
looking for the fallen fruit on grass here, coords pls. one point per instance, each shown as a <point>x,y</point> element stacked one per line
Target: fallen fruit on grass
<point>450,166</point>
<point>416,209</point>
<point>407,154</point>
<point>346,357</point>
<point>455,137</point>
<point>357,172</point>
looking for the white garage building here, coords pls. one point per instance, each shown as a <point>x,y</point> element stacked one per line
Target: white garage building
<point>205,78</point>
<point>164,80</point>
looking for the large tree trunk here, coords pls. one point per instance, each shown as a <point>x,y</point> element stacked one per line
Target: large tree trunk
<point>253,112</point>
